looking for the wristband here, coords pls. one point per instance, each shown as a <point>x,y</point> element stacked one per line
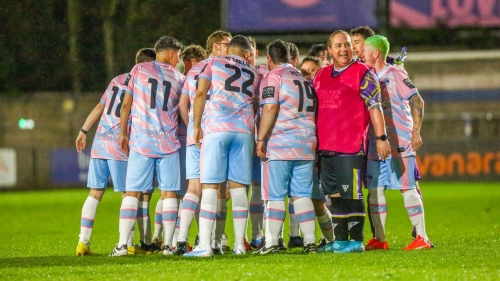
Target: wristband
<point>260,140</point>
<point>83,131</point>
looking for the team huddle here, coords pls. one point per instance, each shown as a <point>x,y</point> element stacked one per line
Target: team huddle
<point>228,128</point>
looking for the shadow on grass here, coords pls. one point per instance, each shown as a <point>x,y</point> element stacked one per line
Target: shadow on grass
<point>99,259</point>
<point>103,259</point>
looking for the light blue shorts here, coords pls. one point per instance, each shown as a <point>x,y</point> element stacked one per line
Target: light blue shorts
<point>141,170</point>
<point>182,160</point>
<point>394,173</point>
<point>226,156</point>
<point>256,169</point>
<point>281,178</point>
<point>192,162</point>
<point>101,169</point>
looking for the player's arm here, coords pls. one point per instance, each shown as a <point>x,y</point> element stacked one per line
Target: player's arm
<point>94,115</point>
<point>268,115</point>
<point>417,113</point>
<point>370,93</point>
<point>124,116</point>
<point>269,89</point>
<point>199,107</point>
<point>184,108</point>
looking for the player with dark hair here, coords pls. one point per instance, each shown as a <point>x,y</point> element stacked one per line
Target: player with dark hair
<point>358,36</point>
<point>309,66</point>
<point>151,101</point>
<point>403,109</point>
<point>106,156</point>
<point>348,95</point>
<point>294,54</point>
<point>229,83</point>
<point>286,142</point>
<point>196,56</point>
<point>321,52</point>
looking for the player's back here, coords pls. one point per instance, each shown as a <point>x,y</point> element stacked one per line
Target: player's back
<point>156,89</point>
<point>106,144</point>
<point>230,103</point>
<point>294,132</point>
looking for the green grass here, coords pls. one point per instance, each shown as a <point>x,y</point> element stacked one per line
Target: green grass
<point>39,233</point>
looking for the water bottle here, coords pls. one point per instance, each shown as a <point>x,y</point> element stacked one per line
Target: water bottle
<point>401,56</point>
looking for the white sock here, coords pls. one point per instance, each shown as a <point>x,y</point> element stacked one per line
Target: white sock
<point>169,218</point>
<point>415,209</point>
<point>144,222</point>
<point>130,241</point>
<point>187,211</point>
<point>294,223</point>
<point>177,224</point>
<point>240,214</point>
<point>275,215</point>
<point>128,215</point>
<point>158,219</point>
<point>326,226</point>
<point>89,210</point>
<point>378,211</point>
<point>197,216</point>
<point>220,218</point>
<point>304,211</point>
<point>256,210</point>
<point>208,210</point>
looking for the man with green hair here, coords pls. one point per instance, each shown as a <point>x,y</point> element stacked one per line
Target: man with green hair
<point>403,110</point>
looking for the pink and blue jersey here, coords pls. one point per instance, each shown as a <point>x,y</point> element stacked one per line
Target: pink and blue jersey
<point>234,83</point>
<point>155,88</point>
<point>262,70</point>
<point>189,89</point>
<point>106,144</point>
<point>293,136</point>
<point>396,89</point>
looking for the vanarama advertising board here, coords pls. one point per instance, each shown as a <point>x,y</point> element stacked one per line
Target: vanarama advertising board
<point>460,160</point>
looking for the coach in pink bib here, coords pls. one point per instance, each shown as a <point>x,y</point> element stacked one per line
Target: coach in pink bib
<point>348,96</point>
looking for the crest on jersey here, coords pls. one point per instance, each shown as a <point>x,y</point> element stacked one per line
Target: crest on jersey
<point>345,187</point>
<point>351,224</point>
<point>268,92</point>
<point>409,83</point>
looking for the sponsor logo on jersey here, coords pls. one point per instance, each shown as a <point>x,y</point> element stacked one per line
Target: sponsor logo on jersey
<point>268,92</point>
<point>345,187</point>
<point>409,83</point>
<point>401,149</point>
<point>351,224</point>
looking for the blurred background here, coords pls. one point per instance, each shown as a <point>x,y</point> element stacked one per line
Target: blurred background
<point>59,56</point>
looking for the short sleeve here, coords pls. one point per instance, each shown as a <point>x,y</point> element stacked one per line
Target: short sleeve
<point>269,89</point>
<point>370,89</point>
<point>129,88</point>
<point>207,72</point>
<point>406,89</point>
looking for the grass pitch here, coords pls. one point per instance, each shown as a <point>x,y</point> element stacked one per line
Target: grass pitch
<point>39,234</point>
